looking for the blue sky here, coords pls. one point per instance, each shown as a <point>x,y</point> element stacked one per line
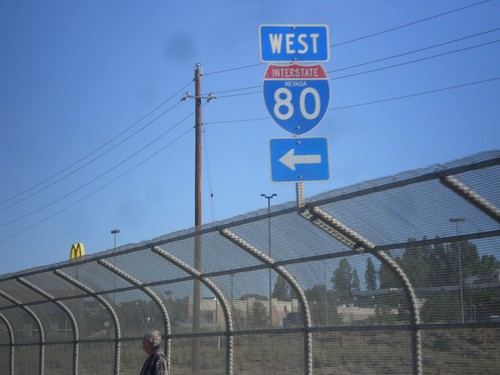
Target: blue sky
<point>94,136</point>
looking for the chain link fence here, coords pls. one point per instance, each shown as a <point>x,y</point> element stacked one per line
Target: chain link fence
<point>399,275</point>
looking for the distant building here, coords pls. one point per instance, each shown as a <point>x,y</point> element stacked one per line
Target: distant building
<point>353,314</point>
<point>212,313</point>
<point>491,280</point>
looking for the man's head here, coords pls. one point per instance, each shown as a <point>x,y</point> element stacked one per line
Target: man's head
<point>151,342</point>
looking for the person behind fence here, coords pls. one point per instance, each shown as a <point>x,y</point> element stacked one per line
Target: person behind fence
<point>156,363</point>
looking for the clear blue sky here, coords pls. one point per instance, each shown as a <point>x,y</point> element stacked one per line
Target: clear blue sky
<point>77,79</point>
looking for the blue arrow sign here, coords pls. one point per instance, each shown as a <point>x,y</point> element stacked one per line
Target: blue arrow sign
<point>293,43</point>
<point>299,159</point>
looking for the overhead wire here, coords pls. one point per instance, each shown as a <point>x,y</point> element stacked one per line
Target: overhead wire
<point>365,36</point>
<point>413,51</point>
<point>416,60</point>
<point>98,189</point>
<point>242,94</point>
<point>239,89</point>
<point>369,103</point>
<point>209,174</point>
<point>233,69</point>
<point>232,121</point>
<point>90,161</point>
<point>380,60</point>
<point>415,94</point>
<point>409,24</point>
<point>206,147</point>
<point>95,178</point>
<point>103,186</point>
<point>94,151</point>
<point>253,87</point>
<point>376,69</point>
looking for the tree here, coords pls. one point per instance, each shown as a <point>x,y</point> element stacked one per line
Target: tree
<point>281,289</point>
<point>259,314</point>
<point>415,262</point>
<point>355,286</point>
<point>317,298</point>
<point>488,265</point>
<point>431,266</point>
<point>370,275</point>
<point>316,294</point>
<point>439,265</point>
<point>442,307</point>
<point>469,257</point>
<point>387,277</point>
<point>345,280</point>
<point>321,303</point>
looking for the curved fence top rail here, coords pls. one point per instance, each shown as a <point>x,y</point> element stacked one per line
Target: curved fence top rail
<point>115,295</point>
<point>408,198</point>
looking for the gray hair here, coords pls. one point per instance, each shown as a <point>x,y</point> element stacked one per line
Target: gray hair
<point>154,337</point>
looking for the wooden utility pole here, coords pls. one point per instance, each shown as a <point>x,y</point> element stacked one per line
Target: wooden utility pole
<point>197,218</point>
<point>196,352</point>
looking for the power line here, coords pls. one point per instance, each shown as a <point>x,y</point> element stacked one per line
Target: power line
<point>415,61</point>
<point>254,87</point>
<point>96,190</point>
<point>240,89</point>
<point>415,94</point>
<point>233,69</point>
<point>377,69</point>
<point>233,121</point>
<point>88,162</point>
<point>375,61</point>
<point>363,37</point>
<point>414,51</point>
<point>93,152</point>
<point>209,175</point>
<point>409,24</point>
<point>212,123</point>
<point>242,94</point>
<point>368,103</point>
<point>95,178</point>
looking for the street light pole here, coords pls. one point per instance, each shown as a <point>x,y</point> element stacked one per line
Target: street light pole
<point>114,232</point>
<point>269,197</point>
<point>458,220</point>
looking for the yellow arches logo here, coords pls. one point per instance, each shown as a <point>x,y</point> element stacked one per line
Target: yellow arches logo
<point>77,251</point>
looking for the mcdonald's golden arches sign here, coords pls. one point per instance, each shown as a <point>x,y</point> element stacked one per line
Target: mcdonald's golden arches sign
<point>77,251</point>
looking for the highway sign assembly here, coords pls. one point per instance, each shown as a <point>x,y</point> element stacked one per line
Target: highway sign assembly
<point>299,159</point>
<point>296,96</point>
<point>294,43</point>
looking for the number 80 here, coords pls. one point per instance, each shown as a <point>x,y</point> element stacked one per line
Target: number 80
<point>283,99</point>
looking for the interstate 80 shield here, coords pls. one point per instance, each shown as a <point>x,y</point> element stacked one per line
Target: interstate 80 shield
<point>296,96</point>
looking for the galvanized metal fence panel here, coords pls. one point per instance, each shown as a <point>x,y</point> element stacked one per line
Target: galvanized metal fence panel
<point>398,275</point>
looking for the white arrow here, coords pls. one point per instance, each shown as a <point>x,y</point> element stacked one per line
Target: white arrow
<point>290,159</point>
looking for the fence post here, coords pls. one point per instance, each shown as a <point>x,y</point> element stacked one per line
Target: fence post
<point>11,343</point>
<point>358,243</point>
<point>74,324</point>
<point>215,290</point>
<point>308,362</point>
<point>106,305</point>
<point>151,294</point>
<point>39,324</point>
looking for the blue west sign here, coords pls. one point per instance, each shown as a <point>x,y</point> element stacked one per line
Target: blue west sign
<point>294,43</point>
